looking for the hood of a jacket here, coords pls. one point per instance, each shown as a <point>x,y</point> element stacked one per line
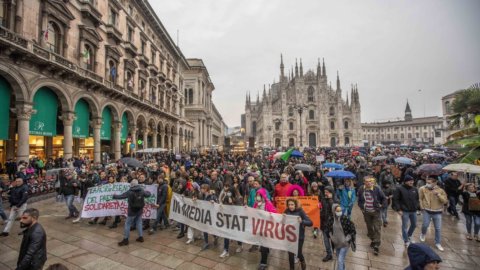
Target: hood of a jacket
<point>420,255</point>
<point>297,188</point>
<point>263,192</point>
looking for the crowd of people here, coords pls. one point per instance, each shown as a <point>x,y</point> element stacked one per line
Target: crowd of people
<point>255,179</point>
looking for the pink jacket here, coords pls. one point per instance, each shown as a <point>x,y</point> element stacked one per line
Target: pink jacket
<point>268,204</point>
<point>300,190</point>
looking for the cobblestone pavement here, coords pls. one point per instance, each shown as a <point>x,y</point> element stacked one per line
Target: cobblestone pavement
<point>84,246</point>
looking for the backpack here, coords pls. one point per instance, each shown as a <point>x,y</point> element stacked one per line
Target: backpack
<point>136,200</point>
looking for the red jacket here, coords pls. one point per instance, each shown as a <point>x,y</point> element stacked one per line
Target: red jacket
<point>282,190</point>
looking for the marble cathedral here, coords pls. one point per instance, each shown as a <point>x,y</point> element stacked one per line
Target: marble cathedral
<point>302,109</point>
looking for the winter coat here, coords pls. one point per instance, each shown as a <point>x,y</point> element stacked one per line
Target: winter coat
<point>451,187</point>
<point>419,255</point>
<point>281,189</point>
<point>406,199</point>
<point>379,199</point>
<point>129,195</point>
<point>306,222</point>
<point>347,225</point>
<point>162,194</point>
<point>18,195</point>
<point>33,250</point>
<point>326,214</point>
<point>431,202</point>
<point>294,187</point>
<point>345,200</point>
<point>268,204</point>
<point>67,188</point>
<point>251,196</point>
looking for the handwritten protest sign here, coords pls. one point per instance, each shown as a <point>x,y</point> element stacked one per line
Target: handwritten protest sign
<point>99,202</point>
<point>248,225</point>
<point>309,205</point>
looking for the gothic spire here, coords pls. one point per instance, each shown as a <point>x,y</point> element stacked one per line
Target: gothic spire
<point>324,70</point>
<point>319,69</point>
<point>296,68</point>
<point>338,81</point>
<point>347,98</point>
<point>408,112</point>
<point>282,75</point>
<point>301,68</point>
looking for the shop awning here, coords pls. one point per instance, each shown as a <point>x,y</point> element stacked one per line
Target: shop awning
<point>124,127</point>
<point>106,130</point>
<point>5,93</point>
<point>82,121</point>
<point>44,121</point>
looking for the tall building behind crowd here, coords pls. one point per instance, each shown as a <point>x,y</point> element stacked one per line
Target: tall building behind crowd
<point>78,78</point>
<point>303,109</point>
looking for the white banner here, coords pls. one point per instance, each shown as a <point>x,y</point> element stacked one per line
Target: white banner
<point>99,202</point>
<point>244,224</point>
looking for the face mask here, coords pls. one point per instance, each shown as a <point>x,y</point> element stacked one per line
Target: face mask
<point>259,198</point>
<point>338,214</point>
<point>229,194</point>
<point>429,185</point>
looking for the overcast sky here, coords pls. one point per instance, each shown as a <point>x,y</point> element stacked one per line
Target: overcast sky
<point>391,49</point>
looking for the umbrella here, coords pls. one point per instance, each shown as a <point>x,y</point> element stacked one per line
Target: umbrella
<point>296,153</point>
<point>462,167</point>
<point>437,155</point>
<point>429,169</point>
<point>378,158</point>
<point>333,165</point>
<point>131,162</point>
<point>404,160</point>
<point>340,174</point>
<point>304,167</point>
<point>355,153</point>
<point>52,172</point>
<point>425,151</point>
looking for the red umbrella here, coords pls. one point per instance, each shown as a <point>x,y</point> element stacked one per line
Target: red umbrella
<point>355,153</point>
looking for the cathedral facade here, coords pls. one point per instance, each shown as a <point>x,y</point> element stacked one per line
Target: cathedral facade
<point>303,110</point>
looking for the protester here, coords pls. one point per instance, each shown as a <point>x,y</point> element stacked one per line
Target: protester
<point>432,199</point>
<point>406,203</point>
<point>136,201</point>
<point>326,216</point>
<point>371,200</point>
<point>342,234</point>
<point>18,203</point>
<point>347,195</point>
<point>453,188</point>
<point>263,203</point>
<point>3,188</point>
<point>33,250</point>
<point>162,194</point>
<point>230,196</point>
<point>69,187</point>
<point>282,187</point>
<point>295,210</point>
<point>472,216</point>
<point>422,257</point>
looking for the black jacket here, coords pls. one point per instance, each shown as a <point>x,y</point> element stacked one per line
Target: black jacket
<point>33,251</point>
<point>406,199</point>
<point>129,195</point>
<point>451,187</point>
<point>326,213</point>
<point>162,194</point>
<point>67,188</point>
<point>18,195</point>
<point>306,221</point>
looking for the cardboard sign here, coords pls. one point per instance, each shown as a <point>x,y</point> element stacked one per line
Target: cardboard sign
<point>309,204</point>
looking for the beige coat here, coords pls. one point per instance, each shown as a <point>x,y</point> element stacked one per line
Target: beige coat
<point>431,201</point>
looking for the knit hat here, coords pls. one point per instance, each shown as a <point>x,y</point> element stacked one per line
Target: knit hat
<point>134,183</point>
<point>408,178</point>
<point>330,189</point>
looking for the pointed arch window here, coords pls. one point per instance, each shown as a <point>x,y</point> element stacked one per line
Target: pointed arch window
<point>332,111</point>
<point>345,125</point>
<point>332,125</point>
<point>311,95</point>
<point>311,114</point>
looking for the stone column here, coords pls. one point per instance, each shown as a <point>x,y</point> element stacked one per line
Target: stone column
<point>24,113</point>
<point>145,138</point>
<point>117,140</point>
<point>96,124</point>
<point>154,138</point>
<point>67,118</point>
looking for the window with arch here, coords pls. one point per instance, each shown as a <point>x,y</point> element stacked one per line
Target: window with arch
<point>185,94</point>
<point>402,136</point>
<point>332,125</point>
<point>290,125</point>
<point>290,111</point>
<point>112,71</point>
<point>162,99</point>
<point>153,96</point>
<point>310,95</point>
<point>129,80</point>
<point>142,89</point>
<point>345,125</point>
<point>53,37</point>
<point>88,57</point>
<point>311,114</point>
<point>277,125</point>
<point>5,12</point>
<point>332,111</point>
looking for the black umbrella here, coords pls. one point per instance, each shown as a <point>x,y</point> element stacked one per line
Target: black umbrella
<point>429,169</point>
<point>304,167</point>
<point>131,162</point>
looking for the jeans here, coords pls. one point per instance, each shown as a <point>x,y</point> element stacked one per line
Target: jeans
<point>226,244</point>
<point>374,226</point>
<point>71,208</point>
<point>472,219</point>
<point>347,211</point>
<point>137,220</point>
<point>205,237</point>
<point>452,205</point>
<point>406,216</point>
<point>437,223</point>
<point>2,212</point>
<point>327,244</point>
<point>13,215</point>
<point>264,255</point>
<point>291,255</point>
<point>341,253</point>
<point>384,213</point>
<point>160,216</point>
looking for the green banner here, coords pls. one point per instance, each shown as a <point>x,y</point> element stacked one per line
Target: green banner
<point>124,127</point>
<point>106,130</point>
<point>82,122</point>
<point>44,121</point>
<point>5,93</point>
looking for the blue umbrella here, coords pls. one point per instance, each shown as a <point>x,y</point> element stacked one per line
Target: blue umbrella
<point>340,174</point>
<point>332,165</point>
<point>404,160</point>
<point>297,154</point>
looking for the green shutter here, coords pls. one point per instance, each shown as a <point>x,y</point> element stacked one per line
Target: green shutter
<point>124,127</point>
<point>82,121</point>
<point>4,108</point>
<point>44,121</point>
<point>106,130</point>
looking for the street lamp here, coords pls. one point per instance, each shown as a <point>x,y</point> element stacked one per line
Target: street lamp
<point>299,109</point>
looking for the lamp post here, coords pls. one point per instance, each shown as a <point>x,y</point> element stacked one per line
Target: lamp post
<point>299,109</point>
